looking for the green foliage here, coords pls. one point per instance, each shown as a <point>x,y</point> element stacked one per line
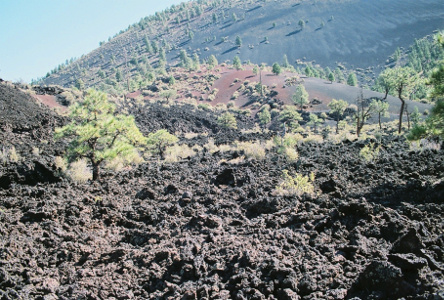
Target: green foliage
<point>185,60</point>
<point>352,80</point>
<point>370,152</point>
<point>97,134</point>
<point>171,80</point>
<point>80,85</point>
<point>212,62</point>
<point>381,108</point>
<point>425,55</point>
<point>415,116</point>
<point>385,83</point>
<point>337,109</point>
<point>290,116</point>
<point>238,41</point>
<point>234,17</point>
<point>315,121</point>
<point>264,116</point>
<point>255,70</point>
<point>227,120</point>
<point>339,75</point>
<point>168,94</point>
<point>276,69</point>
<point>300,97</point>
<point>301,24</point>
<point>433,125</point>
<point>437,81</point>
<point>403,81</point>
<point>196,61</point>
<point>237,63</point>
<point>331,77</point>
<point>160,140</point>
<point>308,71</point>
<point>295,186</point>
<point>119,76</point>
<point>285,63</point>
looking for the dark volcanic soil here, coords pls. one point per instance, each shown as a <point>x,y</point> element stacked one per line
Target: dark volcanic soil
<point>200,229</point>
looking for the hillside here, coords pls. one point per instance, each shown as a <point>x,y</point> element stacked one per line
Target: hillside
<point>335,33</point>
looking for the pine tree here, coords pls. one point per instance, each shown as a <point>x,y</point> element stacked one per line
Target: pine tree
<point>285,64</point>
<point>238,41</point>
<point>98,134</point>
<point>160,140</point>
<point>337,109</point>
<point>403,79</point>
<point>276,69</point>
<point>300,97</point>
<point>227,120</point>
<point>352,80</point>
<point>301,24</point>
<point>381,108</point>
<point>331,77</point>
<point>264,116</point>
<point>212,62</point>
<point>385,81</point>
<point>290,117</point>
<point>237,63</point>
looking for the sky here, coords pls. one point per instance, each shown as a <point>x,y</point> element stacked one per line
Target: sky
<point>38,35</point>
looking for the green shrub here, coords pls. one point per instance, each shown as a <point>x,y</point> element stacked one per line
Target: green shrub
<point>227,120</point>
<point>295,186</point>
<point>370,152</point>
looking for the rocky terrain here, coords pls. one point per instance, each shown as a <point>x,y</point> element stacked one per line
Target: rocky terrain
<point>207,228</point>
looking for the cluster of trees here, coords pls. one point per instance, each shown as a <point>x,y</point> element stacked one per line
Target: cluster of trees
<point>434,124</point>
<point>98,134</point>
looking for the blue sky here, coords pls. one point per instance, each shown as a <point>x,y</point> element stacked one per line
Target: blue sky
<point>38,35</point>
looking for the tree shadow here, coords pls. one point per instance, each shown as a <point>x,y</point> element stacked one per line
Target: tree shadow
<point>226,26</point>
<point>254,8</point>
<point>294,32</point>
<point>297,4</point>
<point>230,50</point>
<point>183,43</point>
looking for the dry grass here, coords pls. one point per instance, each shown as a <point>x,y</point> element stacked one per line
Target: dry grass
<point>291,154</point>
<point>9,155</point>
<point>79,171</point>
<point>255,150</point>
<point>178,152</point>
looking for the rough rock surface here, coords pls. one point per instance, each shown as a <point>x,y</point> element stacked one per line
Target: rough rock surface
<point>201,229</point>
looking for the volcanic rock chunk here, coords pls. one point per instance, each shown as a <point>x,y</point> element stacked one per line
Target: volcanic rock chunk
<point>226,177</point>
<point>170,189</point>
<point>384,280</point>
<point>407,261</point>
<point>145,193</point>
<point>408,243</point>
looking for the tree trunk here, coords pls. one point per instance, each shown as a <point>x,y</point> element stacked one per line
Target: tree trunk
<point>337,125</point>
<point>358,126</point>
<point>386,94</point>
<point>96,171</point>
<point>408,117</point>
<point>380,125</point>
<point>400,116</point>
<point>401,112</point>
